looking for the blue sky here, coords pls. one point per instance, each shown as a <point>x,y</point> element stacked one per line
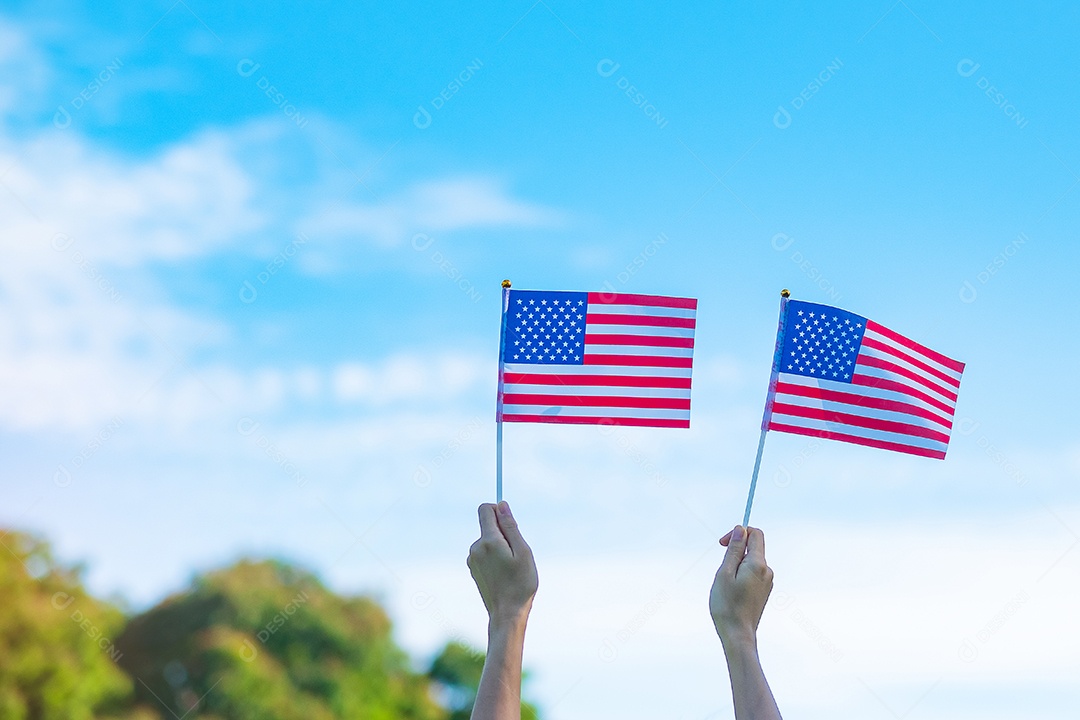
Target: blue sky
<point>241,323</point>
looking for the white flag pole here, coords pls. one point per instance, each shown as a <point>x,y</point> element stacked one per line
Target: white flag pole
<point>499,402</point>
<point>767,416</point>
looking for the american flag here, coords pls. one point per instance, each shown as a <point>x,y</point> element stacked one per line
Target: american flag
<point>843,377</point>
<point>596,358</point>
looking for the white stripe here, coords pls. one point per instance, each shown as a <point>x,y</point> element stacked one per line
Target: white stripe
<point>651,310</point>
<point>863,390</point>
<point>590,412</point>
<point>616,370</point>
<point>914,353</point>
<point>593,390</point>
<point>861,411</point>
<point>599,327</point>
<point>889,375</point>
<point>938,382</point>
<point>860,432</point>
<point>598,349</point>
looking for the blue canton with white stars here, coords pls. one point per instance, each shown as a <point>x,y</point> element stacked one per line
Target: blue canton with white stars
<point>821,341</point>
<point>545,327</point>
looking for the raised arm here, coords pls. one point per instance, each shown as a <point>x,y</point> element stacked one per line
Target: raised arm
<point>502,566</point>
<point>738,598</point>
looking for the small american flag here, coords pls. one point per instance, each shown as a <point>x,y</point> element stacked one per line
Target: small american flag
<point>596,358</point>
<point>843,377</point>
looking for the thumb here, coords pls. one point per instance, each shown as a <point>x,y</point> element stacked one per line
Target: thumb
<point>735,551</point>
<point>510,530</point>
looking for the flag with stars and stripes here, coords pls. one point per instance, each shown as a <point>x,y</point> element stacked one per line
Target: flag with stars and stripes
<point>843,377</point>
<point>596,358</point>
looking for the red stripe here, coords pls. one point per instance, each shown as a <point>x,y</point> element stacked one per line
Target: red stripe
<point>596,401</point>
<point>655,321</point>
<point>878,345</point>
<point>912,345</point>
<point>904,372</point>
<point>648,340</point>
<point>820,393</point>
<point>841,418</point>
<point>883,444</point>
<point>636,422</point>
<point>638,360</point>
<point>597,298</point>
<point>883,384</point>
<point>603,380</point>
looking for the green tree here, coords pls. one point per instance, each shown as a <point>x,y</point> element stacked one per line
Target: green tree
<point>57,657</point>
<point>266,640</point>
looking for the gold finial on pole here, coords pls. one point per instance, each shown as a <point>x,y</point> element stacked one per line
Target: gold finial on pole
<point>785,293</point>
<point>506,284</point>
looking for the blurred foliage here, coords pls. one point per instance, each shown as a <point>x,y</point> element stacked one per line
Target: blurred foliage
<point>253,641</point>
<point>264,640</point>
<point>56,648</point>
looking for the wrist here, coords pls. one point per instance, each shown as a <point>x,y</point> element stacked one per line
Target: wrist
<point>509,620</point>
<point>737,638</point>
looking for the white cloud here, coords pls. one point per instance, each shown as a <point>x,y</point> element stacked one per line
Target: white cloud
<point>409,377</point>
<point>433,205</point>
<point>88,332</point>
